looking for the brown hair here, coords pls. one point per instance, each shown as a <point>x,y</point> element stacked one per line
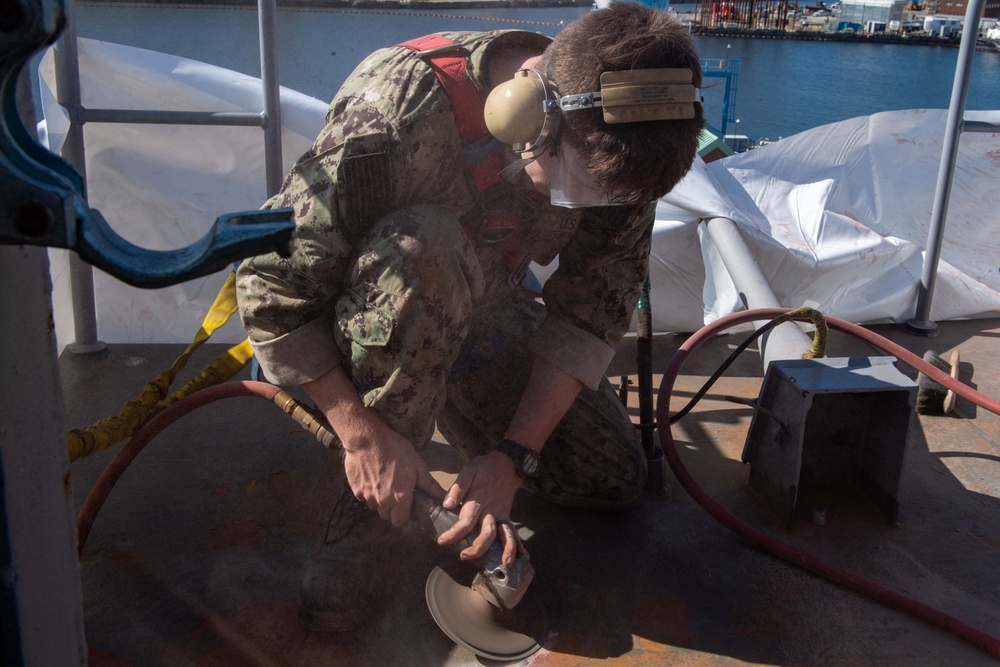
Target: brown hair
<point>641,160</point>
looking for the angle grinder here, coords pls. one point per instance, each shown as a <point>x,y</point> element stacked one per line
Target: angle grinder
<point>478,611</point>
<point>475,604</point>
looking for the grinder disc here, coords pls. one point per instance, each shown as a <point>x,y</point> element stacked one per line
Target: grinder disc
<point>477,625</point>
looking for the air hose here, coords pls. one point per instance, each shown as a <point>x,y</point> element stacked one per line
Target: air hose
<point>306,417</point>
<point>778,548</point>
<point>315,424</point>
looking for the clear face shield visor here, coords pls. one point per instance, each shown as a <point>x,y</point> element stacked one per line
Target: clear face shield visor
<point>571,185</point>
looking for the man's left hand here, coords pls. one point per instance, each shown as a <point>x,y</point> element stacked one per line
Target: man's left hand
<point>484,492</point>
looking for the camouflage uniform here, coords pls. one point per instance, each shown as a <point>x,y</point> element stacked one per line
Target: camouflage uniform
<point>396,275</point>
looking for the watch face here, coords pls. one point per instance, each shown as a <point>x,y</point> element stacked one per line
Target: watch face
<point>525,459</point>
<point>529,463</point>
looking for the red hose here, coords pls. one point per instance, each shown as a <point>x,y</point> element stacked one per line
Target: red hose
<point>102,489</point>
<point>806,561</point>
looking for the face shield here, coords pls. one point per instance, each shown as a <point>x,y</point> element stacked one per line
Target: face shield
<point>570,183</point>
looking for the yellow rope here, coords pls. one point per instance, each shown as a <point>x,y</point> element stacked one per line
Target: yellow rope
<point>221,369</point>
<point>153,398</point>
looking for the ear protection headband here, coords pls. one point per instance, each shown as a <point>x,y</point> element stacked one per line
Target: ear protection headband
<point>525,111</point>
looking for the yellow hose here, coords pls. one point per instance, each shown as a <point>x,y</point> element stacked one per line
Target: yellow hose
<point>154,397</point>
<point>820,335</point>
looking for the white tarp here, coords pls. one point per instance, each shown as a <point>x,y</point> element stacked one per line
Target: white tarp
<point>837,216</point>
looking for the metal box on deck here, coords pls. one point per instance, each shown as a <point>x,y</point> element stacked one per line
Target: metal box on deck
<point>828,425</point>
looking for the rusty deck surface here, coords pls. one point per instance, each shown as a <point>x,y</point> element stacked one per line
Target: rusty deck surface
<point>195,558</point>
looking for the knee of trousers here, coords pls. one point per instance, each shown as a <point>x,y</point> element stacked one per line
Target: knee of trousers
<point>606,475</point>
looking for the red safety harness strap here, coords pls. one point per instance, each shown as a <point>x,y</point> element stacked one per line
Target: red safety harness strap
<point>452,70</point>
<point>449,64</point>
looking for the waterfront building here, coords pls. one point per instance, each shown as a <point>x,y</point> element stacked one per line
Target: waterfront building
<point>872,15</point>
<point>943,25</point>
<point>991,8</point>
<point>747,14</point>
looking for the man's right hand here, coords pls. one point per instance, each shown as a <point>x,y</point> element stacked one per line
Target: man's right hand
<point>382,466</point>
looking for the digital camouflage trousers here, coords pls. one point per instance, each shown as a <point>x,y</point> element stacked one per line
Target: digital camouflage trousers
<point>434,333</point>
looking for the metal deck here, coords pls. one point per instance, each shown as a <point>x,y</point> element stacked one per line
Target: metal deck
<point>195,558</point>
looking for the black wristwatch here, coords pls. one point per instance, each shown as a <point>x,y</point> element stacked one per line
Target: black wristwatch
<point>526,460</point>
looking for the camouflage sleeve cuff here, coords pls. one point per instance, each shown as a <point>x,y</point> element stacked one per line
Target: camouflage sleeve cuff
<point>572,350</point>
<point>299,356</point>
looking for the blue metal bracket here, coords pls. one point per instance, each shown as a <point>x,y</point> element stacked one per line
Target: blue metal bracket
<point>43,198</point>
<point>728,69</point>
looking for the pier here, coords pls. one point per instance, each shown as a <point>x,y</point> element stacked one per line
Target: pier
<point>826,36</point>
<point>368,5</point>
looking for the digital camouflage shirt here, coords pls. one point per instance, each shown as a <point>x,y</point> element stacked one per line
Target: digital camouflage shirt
<point>391,141</point>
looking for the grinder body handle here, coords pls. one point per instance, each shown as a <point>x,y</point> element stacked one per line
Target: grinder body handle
<point>502,587</point>
<point>436,520</point>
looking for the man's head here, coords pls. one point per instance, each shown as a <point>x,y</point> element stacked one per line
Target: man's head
<point>637,161</point>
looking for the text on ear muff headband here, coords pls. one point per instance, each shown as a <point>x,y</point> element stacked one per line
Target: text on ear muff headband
<point>523,111</point>
<point>640,95</point>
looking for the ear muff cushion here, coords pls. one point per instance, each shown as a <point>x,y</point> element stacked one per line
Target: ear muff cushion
<point>515,110</point>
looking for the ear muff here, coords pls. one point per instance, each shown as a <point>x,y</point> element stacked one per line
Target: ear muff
<point>516,111</point>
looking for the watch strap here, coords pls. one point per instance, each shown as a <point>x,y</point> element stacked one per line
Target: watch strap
<point>525,459</point>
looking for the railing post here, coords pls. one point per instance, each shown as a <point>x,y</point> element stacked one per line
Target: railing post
<point>68,95</point>
<point>921,323</point>
<point>274,170</point>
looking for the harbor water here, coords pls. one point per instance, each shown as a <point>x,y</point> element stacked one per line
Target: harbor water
<point>784,86</point>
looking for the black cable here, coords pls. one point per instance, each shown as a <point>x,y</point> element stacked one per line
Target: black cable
<point>677,416</point>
